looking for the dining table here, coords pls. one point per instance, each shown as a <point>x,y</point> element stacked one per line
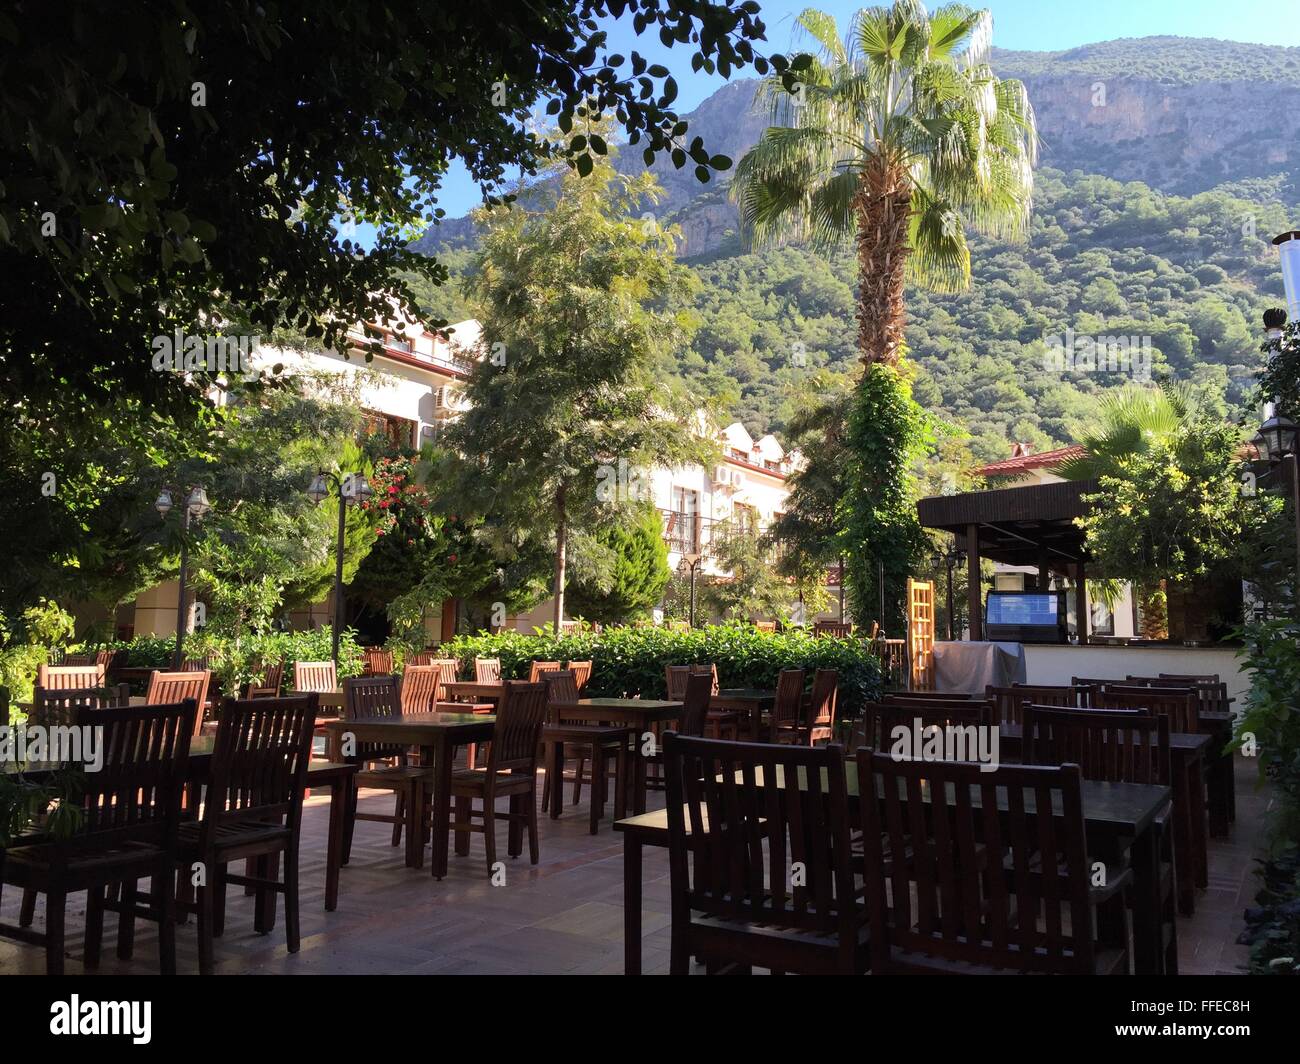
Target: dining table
<point>474,690</point>
<point>640,714</point>
<point>437,735</point>
<point>752,702</point>
<point>1119,819</point>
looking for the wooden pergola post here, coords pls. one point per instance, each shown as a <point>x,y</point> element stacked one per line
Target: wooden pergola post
<point>973,582</point>
<point>1081,602</point>
<point>1044,570</point>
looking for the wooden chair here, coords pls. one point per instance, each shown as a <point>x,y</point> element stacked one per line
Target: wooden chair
<point>932,696</point>
<point>1181,705</point>
<point>1120,746</point>
<point>268,684</point>
<point>719,723</point>
<point>62,677</point>
<point>724,803</point>
<point>76,660</point>
<point>421,686</point>
<point>487,670</point>
<point>581,674</point>
<point>511,772</point>
<point>832,629</point>
<point>318,676</point>
<point>606,746</point>
<point>536,668</point>
<point>694,719</point>
<point>787,710</point>
<point>253,809</point>
<point>765,626</point>
<point>819,719</point>
<point>384,767</point>
<point>934,912</point>
<point>376,661</point>
<point>131,810</point>
<point>166,688</point>
<point>59,706</point>
<point>1190,677</point>
<point>421,657</point>
<point>1008,701</point>
<point>879,720</point>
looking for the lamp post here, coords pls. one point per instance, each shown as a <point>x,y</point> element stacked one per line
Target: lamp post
<point>351,489</point>
<point>952,558</point>
<point>692,561</point>
<point>1275,442</point>
<point>196,505</point>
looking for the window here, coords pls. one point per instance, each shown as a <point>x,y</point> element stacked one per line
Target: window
<point>683,529</point>
<point>1100,619</point>
<point>397,430</point>
<point>744,518</point>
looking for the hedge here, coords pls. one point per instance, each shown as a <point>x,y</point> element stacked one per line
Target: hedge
<point>630,661</point>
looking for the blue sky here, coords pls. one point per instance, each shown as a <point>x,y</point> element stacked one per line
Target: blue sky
<point>1040,25</point>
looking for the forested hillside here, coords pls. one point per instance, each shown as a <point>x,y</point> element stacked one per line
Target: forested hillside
<point>1178,257</point>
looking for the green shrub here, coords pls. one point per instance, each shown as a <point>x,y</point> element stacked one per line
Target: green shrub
<point>630,661</point>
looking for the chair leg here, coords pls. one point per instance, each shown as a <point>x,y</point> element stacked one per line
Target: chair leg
<point>462,816</point>
<point>27,913</point>
<point>292,930</point>
<point>165,907</point>
<point>546,784</point>
<point>516,826</point>
<point>205,901</point>
<point>577,778</point>
<point>489,828</point>
<point>534,851</point>
<point>56,903</point>
<point>218,877</point>
<point>399,813</point>
<point>94,926</point>
<point>597,786</point>
<point>125,920</point>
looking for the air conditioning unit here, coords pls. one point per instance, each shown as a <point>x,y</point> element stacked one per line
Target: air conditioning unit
<point>446,402</point>
<point>722,475</point>
<point>737,480</point>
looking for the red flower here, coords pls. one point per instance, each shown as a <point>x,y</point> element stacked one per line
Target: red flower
<point>451,557</point>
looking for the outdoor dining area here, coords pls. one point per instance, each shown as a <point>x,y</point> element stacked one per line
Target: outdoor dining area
<point>698,828</point>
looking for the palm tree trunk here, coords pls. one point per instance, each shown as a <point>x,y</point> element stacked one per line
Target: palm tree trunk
<point>884,208</point>
<point>561,544</point>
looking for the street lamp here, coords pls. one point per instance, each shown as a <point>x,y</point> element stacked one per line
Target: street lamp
<point>352,489</point>
<point>953,558</point>
<point>1275,443</point>
<point>196,505</point>
<point>692,561</point>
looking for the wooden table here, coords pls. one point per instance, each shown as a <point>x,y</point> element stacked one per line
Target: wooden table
<point>437,735</point>
<point>638,713</point>
<point>1117,816</point>
<point>475,690</point>
<point>752,701</point>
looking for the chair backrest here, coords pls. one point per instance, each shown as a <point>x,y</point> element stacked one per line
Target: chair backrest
<point>695,704</point>
<point>581,673</point>
<point>1008,701</point>
<point>81,660</point>
<point>135,796</point>
<point>726,800</point>
<point>834,629</point>
<point>447,670</point>
<point>421,657</point>
<point>373,696</point>
<point>1212,693</point>
<point>319,676</point>
<point>675,681</point>
<point>487,670</point>
<point>62,677</point>
<point>517,733</point>
<point>879,720</point>
<point>61,706</point>
<point>821,704</point>
<point>787,710</point>
<point>198,664</point>
<point>377,661</point>
<point>1180,704</point>
<point>932,696</point>
<point>259,763</point>
<point>1119,745</point>
<point>536,668</point>
<point>1190,677</point>
<point>561,686</point>
<point>169,687</point>
<point>268,684</point>
<point>420,687</point>
<point>987,879</point>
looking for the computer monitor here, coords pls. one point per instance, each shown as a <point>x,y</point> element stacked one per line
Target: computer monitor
<point>1026,616</point>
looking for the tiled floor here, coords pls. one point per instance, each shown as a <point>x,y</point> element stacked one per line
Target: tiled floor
<point>562,916</point>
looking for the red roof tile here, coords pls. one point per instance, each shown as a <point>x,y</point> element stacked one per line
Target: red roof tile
<point>1025,462</point>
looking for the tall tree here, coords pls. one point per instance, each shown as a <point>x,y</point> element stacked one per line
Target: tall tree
<point>638,572</point>
<point>567,412</point>
<point>896,136</point>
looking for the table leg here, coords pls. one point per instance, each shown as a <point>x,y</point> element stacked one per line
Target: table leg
<point>1184,840</point>
<point>631,905</point>
<point>440,757</point>
<point>555,770</point>
<point>638,772</point>
<point>334,851</point>
<point>1218,776</point>
<point>1196,807</point>
<point>414,825</point>
<point>1144,855</point>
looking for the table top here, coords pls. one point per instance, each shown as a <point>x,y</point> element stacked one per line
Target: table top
<point>1183,742</point>
<point>416,722</point>
<point>1110,809</point>
<point>617,710</point>
<point>475,688</point>
<point>741,695</point>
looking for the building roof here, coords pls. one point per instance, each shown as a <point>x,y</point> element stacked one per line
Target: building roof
<point>1022,462</point>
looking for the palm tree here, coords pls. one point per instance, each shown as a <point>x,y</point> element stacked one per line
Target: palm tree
<point>898,135</point>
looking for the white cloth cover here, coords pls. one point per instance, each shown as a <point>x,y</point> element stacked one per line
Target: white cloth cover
<point>969,667</point>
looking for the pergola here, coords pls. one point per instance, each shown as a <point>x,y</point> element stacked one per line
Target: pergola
<point>1029,525</point>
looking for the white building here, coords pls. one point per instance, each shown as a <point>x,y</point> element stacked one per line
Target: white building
<point>415,384</point>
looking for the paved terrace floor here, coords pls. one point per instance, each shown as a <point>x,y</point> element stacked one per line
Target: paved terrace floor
<point>564,916</point>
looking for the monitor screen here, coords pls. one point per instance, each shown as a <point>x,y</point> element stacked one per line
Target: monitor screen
<point>1023,608</point>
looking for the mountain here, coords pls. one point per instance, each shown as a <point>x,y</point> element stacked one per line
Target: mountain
<point>1166,165</point>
